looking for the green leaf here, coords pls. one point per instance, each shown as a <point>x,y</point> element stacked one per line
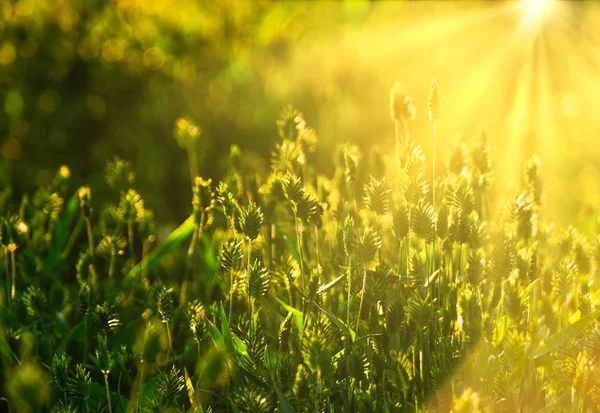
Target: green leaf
<point>297,314</point>
<point>501,329</point>
<point>190,390</point>
<point>284,404</point>
<point>7,352</point>
<point>331,284</point>
<point>61,234</point>
<point>181,233</point>
<point>527,291</point>
<point>565,334</point>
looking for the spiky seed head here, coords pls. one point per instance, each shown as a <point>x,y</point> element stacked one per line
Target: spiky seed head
<point>186,133</point>
<point>286,124</point>
<point>169,389</point>
<point>533,179</point>
<point>59,371</point>
<point>84,298</point>
<point>423,221</point>
<point>85,199</point>
<point>106,318</point>
<point>377,196</point>
<point>434,103</point>
<point>292,189</point>
<point>401,106</point>
<point>367,245</point>
<point>254,399</point>
<point>202,197</point>
<point>102,354</point>
<point>110,221</point>
<point>308,210</point>
<point>164,304</point>
<point>349,235</point>
<point>316,345</point>
<point>13,231</point>
<point>251,220</point>
<point>79,383</point>
<point>130,206</point>
<point>35,302</point>
<point>111,246</point>
<point>195,318</point>
<point>48,203</point>
<point>230,255</point>
<point>227,201</point>
<point>400,221</point>
<point>118,174</point>
<point>125,359</point>
<point>257,280</point>
<point>351,158</point>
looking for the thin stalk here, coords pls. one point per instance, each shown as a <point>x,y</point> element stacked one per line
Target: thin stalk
<point>130,239</point>
<point>107,393</point>
<point>349,291</point>
<point>8,288</point>
<point>273,247</point>
<point>433,166</point>
<point>170,340</point>
<point>362,296</point>
<point>13,291</point>
<point>145,248</point>
<point>118,384</point>
<point>140,386</point>
<point>230,296</point>
<point>111,267</point>
<point>317,245</point>
<point>85,336</point>
<point>90,234</point>
<point>193,161</point>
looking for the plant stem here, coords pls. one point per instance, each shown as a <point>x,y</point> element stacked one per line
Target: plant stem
<point>169,339</point>
<point>111,267</point>
<point>362,296</point>
<point>230,295</point>
<point>130,238</point>
<point>8,288</point>
<point>193,161</point>
<point>107,393</point>
<point>349,291</point>
<point>13,263</point>
<point>140,386</point>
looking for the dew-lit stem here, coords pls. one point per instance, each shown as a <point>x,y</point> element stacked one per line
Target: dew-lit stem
<point>349,291</point>
<point>90,235</point>
<point>13,263</point>
<point>107,393</point>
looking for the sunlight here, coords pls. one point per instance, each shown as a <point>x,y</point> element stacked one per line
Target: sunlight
<point>536,10</point>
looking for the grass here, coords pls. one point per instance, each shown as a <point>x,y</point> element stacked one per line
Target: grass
<point>300,292</point>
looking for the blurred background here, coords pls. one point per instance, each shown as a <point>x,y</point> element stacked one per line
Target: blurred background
<point>82,81</point>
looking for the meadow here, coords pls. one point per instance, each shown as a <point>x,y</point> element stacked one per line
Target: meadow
<point>386,286</point>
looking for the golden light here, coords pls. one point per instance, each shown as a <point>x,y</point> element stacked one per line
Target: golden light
<point>536,10</point>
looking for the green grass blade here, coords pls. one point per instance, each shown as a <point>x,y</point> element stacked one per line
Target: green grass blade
<point>7,352</point>
<point>565,334</point>
<point>61,234</point>
<point>180,234</point>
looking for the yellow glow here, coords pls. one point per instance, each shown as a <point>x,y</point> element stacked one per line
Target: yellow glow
<point>535,10</point>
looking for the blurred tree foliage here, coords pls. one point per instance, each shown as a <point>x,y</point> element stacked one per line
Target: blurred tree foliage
<point>83,81</point>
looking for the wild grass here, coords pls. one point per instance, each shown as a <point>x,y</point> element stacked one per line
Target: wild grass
<point>379,288</point>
